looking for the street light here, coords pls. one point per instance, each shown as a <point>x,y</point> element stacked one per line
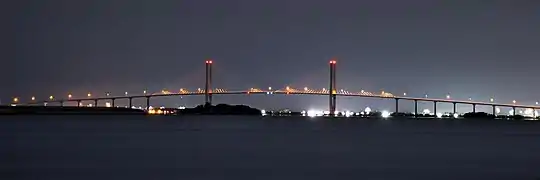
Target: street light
<point>144,92</point>
<point>470,98</point>
<point>536,102</point>
<point>51,97</point>
<point>107,94</point>
<point>269,88</point>
<point>89,94</point>
<point>491,100</point>
<point>404,94</point>
<point>15,99</point>
<point>69,96</point>
<point>448,96</point>
<point>126,93</point>
<point>514,101</point>
<point>33,98</point>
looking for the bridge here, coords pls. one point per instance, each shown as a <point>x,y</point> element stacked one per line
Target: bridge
<point>331,92</point>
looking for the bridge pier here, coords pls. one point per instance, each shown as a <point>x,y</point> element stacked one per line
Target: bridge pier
<point>455,109</point>
<point>208,83</point>
<point>474,108</point>
<point>397,105</point>
<point>130,102</point>
<point>494,111</point>
<point>514,111</point>
<point>79,103</point>
<point>332,88</point>
<point>96,102</point>
<point>112,102</point>
<point>415,108</point>
<point>147,103</point>
<point>435,108</point>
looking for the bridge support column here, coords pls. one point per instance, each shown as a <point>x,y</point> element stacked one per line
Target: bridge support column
<point>415,108</point>
<point>147,103</point>
<point>514,111</point>
<point>332,88</point>
<point>397,105</point>
<point>455,109</point>
<point>474,108</point>
<point>494,111</point>
<point>130,102</point>
<point>96,103</point>
<point>112,102</point>
<point>208,84</point>
<point>435,108</point>
<point>78,103</point>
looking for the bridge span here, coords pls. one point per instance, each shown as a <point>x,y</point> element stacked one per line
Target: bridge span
<point>331,92</point>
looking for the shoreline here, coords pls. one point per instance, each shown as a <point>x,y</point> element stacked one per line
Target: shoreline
<point>224,110</point>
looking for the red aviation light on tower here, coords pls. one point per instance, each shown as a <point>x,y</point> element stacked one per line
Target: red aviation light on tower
<point>332,61</point>
<point>209,62</point>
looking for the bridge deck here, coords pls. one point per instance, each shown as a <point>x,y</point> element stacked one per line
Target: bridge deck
<point>292,92</point>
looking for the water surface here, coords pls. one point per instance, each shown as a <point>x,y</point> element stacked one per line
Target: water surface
<point>236,147</point>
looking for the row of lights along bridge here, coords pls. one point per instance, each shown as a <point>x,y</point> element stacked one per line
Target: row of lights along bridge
<point>331,92</point>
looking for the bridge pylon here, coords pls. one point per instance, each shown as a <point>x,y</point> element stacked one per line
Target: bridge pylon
<point>332,88</point>
<point>208,83</point>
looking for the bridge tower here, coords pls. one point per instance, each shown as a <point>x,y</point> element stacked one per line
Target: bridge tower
<point>332,88</point>
<point>208,84</point>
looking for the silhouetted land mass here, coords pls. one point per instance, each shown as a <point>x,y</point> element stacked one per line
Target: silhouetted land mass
<point>220,109</point>
<point>402,114</point>
<point>483,115</point>
<point>478,115</point>
<point>55,110</point>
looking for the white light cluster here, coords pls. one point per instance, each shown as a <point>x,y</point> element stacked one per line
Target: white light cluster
<point>367,110</point>
<point>314,113</point>
<point>385,114</point>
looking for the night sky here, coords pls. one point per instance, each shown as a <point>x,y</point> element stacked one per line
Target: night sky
<point>468,48</point>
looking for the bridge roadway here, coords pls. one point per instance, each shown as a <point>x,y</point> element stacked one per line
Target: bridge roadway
<point>297,92</point>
